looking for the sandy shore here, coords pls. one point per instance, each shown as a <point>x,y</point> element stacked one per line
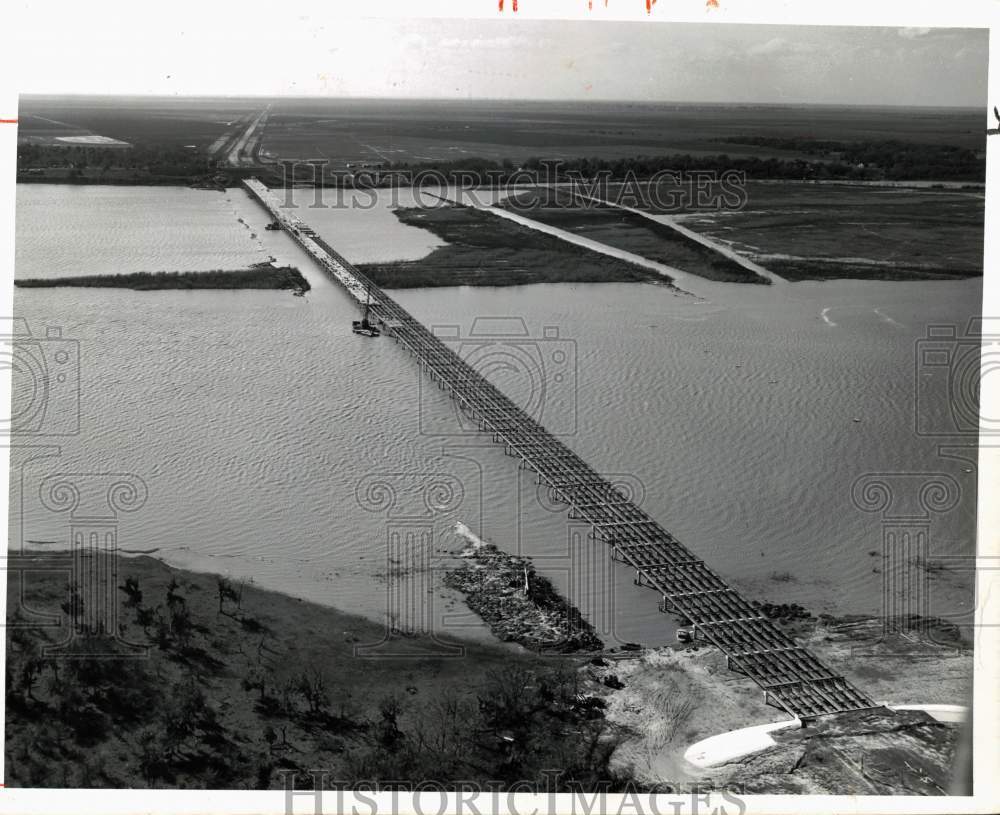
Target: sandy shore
<point>674,697</point>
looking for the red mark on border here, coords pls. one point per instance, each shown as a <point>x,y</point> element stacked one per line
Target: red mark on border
<point>590,5</point>
<point>8,121</point>
<point>711,3</point>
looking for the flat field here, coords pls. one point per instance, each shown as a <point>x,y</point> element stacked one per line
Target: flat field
<point>351,131</point>
<point>417,132</point>
<point>160,121</point>
<point>805,231</point>
<point>799,231</point>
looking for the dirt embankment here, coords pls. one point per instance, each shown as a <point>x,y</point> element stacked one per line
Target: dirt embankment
<point>673,697</point>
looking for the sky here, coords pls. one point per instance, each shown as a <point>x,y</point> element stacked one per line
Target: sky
<point>507,57</point>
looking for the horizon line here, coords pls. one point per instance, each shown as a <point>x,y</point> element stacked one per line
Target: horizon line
<point>491,99</point>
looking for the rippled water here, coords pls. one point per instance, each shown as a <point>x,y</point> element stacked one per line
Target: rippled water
<point>276,444</point>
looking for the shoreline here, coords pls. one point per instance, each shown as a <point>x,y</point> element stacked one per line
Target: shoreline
<point>267,682</point>
<point>658,701</point>
<point>258,276</point>
<point>509,259</point>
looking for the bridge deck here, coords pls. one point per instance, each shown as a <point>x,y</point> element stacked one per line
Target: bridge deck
<point>791,678</point>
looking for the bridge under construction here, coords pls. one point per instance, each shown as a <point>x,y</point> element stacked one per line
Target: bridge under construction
<point>792,679</point>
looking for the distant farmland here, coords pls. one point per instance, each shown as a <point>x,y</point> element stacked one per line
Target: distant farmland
<point>383,131</point>
<point>343,131</point>
<point>164,122</point>
<point>812,231</point>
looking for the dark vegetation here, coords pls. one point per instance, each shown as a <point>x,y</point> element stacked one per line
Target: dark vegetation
<point>487,250</point>
<point>238,686</point>
<point>821,269</point>
<point>865,161</point>
<point>152,164</point>
<point>260,276</point>
<point>889,159</point>
<point>632,233</point>
<point>141,164</point>
<point>886,161</point>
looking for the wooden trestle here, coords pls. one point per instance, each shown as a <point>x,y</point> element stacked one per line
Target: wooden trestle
<point>792,678</point>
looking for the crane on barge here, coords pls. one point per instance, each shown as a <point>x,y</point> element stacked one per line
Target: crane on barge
<point>363,326</point>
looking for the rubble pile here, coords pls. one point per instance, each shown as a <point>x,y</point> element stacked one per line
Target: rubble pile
<point>518,604</point>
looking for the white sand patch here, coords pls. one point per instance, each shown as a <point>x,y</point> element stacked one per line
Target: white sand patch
<point>94,141</point>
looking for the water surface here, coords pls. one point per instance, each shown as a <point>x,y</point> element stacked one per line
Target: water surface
<point>271,438</point>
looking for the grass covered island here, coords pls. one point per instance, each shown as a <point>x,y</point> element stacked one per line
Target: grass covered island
<point>630,232</point>
<point>484,250</point>
<point>258,276</point>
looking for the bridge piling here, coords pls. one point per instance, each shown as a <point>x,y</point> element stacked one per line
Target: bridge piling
<point>791,678</point>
